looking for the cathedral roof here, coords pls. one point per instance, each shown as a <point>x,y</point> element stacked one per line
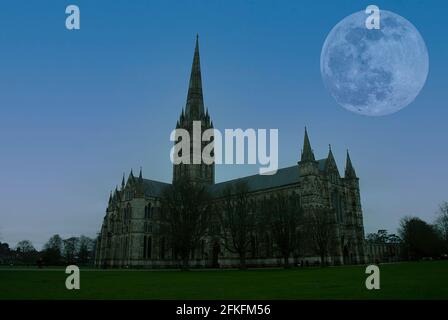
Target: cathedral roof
<point>283,177</point>
<point>154,188</point>
<point>257,182</point>
<point>322,163</point>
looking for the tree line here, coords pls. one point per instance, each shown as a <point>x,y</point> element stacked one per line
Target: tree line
<point>56,252</point>
<point>417,238</point>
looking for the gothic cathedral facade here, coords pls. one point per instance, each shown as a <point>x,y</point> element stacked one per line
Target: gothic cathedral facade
<point>130,234</point>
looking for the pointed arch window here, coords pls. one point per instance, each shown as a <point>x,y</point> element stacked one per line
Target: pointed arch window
<point>127,213</point>
<point>147,247</point>
<point>162,248</point>
<point>336,200</point>
<point>148,211</point>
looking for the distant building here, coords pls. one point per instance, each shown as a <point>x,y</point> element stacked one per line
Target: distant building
<point>130,231</point>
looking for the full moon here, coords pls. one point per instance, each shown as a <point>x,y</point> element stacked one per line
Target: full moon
<point>374,72</point>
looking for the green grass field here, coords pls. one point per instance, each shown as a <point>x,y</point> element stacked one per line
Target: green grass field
<point>419,280</point>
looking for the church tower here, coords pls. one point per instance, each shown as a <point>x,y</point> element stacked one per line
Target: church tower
<point>309,175</point>
<point>195,113</point>
<point>354,207</point>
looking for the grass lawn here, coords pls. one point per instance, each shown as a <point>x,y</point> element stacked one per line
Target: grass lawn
<point>416,280</point>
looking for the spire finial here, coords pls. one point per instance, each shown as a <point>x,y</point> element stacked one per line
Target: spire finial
<point>330,153</point>
<point>349,170</point>
<point>307,153</point>
<point>195,101</point>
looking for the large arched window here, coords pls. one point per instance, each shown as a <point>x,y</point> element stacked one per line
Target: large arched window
<point>126,247</point>
<point>162,248</point>
<point>148,211</point>
<point>253,245</point>
<point>147,247</point>
<point>148,227</point>
<point>202,248</point>
<point>268,246</point>
<point>128,212</point>
<point>342,208</point>
<point>336,203</point>
<point>144,246</point>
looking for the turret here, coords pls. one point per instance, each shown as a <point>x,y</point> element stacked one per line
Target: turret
<point>307,164</point>
<point>309,175</point>
<point>140,186</point>
<point>350,172</point>
<point>331,168</point>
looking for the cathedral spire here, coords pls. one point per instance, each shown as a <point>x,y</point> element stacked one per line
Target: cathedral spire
<point>349,170</point>
<point>140,176</point>
<point>307,153</point>
<point>195,100</point>
<point>194,111</point>
<point>122,182</point>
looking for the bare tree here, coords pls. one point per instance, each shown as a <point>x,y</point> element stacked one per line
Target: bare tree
<point>442,222</point>
<point>52,252</point>
<point>283,216</point>
<point>26,251</point>
<point>86,249</point>
<point>237,221</point>
<point>185,217</point>
<point>383,237</point>
<point>71,249</point>
<point>319,226</point>
<point>25,246</point>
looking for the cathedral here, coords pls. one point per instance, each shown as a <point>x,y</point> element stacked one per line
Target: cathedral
<point>130,233</point>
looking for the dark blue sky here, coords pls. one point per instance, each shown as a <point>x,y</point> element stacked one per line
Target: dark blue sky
<point>77,108</point>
